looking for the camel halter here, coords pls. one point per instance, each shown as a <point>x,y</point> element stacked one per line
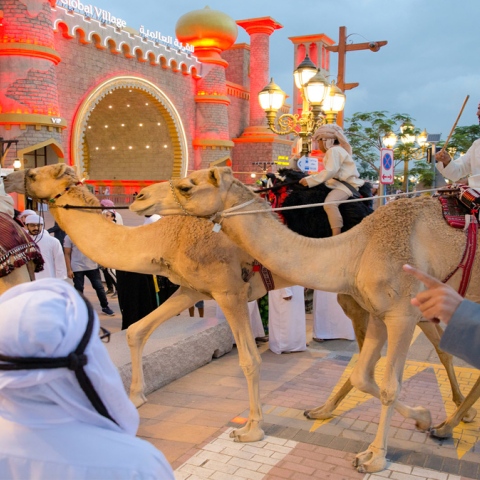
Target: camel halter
<point>177,201</point>
<point>217,225</point>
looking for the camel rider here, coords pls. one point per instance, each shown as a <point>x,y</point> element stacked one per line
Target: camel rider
<point>468,164</point>
<point>340,174</point>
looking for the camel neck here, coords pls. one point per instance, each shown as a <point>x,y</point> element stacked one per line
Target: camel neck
<point>104,242</point>
<point>302,260</point>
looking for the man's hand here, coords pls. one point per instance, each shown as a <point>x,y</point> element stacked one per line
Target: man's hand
<point>439,301</point>
<point>70,273</point>
<point>443,157</point>
<point>303,181</point>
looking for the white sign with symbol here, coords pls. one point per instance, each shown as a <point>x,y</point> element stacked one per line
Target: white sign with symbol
<point>308,164</point>
<point>386,166</point>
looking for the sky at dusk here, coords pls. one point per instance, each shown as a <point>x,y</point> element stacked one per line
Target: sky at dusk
<point>431,62</point>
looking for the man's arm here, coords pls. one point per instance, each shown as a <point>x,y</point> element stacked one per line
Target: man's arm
<point>455,169</point>
<point>441,302</point>
<point>462,335</point>
<point>68,261</point>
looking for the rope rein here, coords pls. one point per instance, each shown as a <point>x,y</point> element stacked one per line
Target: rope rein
<point>232,211</point>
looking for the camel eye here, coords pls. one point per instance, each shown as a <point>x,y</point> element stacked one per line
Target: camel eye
<point>185,189</point>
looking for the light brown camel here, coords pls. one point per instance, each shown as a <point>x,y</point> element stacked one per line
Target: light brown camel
<point>364,263</point>
<point>188,253</point>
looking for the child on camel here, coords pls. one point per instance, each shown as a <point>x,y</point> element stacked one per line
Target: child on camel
<point>340,174</point>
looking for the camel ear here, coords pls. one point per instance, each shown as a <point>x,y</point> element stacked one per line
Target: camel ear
<point>58,170</point>
<point>217,175</point>
<point>61,170</point>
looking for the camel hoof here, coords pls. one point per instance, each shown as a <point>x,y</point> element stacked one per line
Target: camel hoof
<point>423,419</point>
<point>248,433</point>
<point>470,415</point>
<point>319,413</point>
<point>138,399</point>
<point>370,462</point>
<point>442,431</point>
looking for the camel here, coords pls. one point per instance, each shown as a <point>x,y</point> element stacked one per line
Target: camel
<point>364,263</point>
<point>202,261</point>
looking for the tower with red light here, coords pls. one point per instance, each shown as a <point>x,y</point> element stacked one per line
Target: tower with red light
<point>210,32</point>
<point>29,107</point>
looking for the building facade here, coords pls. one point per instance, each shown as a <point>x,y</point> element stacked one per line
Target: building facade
<point>127,108</point>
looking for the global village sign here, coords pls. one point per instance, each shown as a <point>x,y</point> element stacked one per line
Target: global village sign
<point>90,11</point>
<point>104,16</point>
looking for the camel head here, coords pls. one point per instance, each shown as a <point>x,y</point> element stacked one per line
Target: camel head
<point>202,193</point>
<point>42,183</point>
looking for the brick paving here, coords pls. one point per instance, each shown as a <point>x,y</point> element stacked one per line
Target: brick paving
<point>190,419</point>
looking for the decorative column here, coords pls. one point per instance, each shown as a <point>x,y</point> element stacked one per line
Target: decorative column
<point>29,108</point>
<point>210,32</point>
<point>257,142</point>
<point>315,47</point>
<point>259,30</point>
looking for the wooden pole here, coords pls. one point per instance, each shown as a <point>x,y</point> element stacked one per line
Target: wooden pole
<point>455,124</point>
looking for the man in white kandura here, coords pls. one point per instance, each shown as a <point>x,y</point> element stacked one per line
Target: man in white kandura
<point>287,326</point>
<point>52,251</point>
<point>64,412</point>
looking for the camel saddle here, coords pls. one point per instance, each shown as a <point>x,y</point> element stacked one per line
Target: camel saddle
<point>458,203</point>
<point>460,207</point>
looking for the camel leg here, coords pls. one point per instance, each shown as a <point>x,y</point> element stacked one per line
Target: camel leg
<point>139,332</point>
<point>445,429</point>
<point>359,318</point>
<point>236,313</point>
<point>399,337</point>
<point>434,333</point>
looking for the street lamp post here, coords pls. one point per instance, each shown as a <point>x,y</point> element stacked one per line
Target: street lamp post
<point>388,141</point>
<point>321,103</point>
<point>409,139</point>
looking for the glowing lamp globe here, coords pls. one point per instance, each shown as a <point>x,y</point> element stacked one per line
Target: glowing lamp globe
<point>272,97</point>
<point>207,29</point>
<point>334,101</point>
<point>304,72</point>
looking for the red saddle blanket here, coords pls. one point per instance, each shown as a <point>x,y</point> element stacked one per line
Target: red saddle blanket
<point>457,202</point>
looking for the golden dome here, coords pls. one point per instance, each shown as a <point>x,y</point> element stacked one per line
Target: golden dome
<point>207,28</point>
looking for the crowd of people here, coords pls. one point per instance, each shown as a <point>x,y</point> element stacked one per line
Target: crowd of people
<point>64,412</point>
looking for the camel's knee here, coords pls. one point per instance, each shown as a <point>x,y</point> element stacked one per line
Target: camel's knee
<point>250,368</point>
<point>389,392</point>
<point>361,381</point>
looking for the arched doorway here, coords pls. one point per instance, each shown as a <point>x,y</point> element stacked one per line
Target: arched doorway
<point>127,130</point>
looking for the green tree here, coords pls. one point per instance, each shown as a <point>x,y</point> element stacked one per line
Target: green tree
<point>462,139</point>
<point>365,132</point>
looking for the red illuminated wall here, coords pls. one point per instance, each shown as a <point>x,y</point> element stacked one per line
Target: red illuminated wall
<point>27,75</point>
<point>84,67</point>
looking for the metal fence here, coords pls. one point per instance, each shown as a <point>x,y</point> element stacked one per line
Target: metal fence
<point>118,199</point>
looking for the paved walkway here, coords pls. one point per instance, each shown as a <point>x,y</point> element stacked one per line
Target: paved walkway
<point>190,419</point>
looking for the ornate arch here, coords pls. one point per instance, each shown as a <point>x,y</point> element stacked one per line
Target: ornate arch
<point>164,104</point>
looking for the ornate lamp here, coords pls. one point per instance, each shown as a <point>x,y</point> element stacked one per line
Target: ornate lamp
<point>389,140</point>
<point>334,103</point>
<point>313,87</point>
<point>304,72</point>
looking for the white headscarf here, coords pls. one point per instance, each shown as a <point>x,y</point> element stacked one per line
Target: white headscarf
<point>6,201</point>
<point>151,219</point>
<point>36,219</point>
<point>47,318</point>
<point>329,133</point>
